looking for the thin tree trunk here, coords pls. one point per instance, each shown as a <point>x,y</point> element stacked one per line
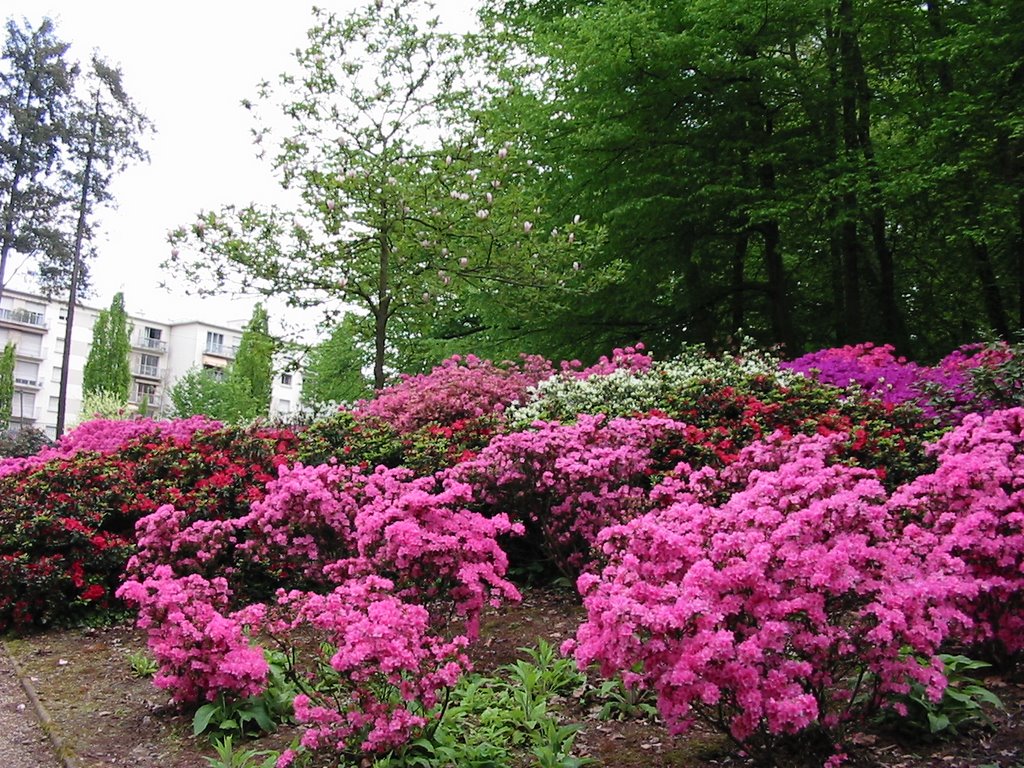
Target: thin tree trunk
<point>76,260</point>
<point>381,313</point>
<point>850,247</point>
<point>1020,261</point>
<point>739,256</point>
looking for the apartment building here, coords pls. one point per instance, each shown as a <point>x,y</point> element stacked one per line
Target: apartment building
<point>161,353</point>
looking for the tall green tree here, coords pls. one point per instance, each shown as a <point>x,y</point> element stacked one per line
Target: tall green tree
<point>251,374</point>
<point>6,384</point>
<point>207,392</point>
<point>105,135</point>
<point>811,172</point>
<point>36,102</point>
<point>108,368</point>
<point>333,370</point>
<point>403,212</point>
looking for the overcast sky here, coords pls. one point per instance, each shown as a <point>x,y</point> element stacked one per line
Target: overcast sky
<point>188,65</point>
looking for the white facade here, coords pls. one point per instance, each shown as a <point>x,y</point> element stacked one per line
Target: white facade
<point>161,353</point>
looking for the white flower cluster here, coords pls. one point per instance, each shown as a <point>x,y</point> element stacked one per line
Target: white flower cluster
<point>624,392</point>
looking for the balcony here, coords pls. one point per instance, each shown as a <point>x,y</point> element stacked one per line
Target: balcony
<point>220,350</point>
<point>26,383</point>
<point>29,354</point>
<point>155,400</point>
<point>145,342</point>
<point>148,371</point>
<point>23,317</point>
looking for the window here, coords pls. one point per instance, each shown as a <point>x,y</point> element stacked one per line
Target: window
<point>286,379</point>
<point>54,402</point>
<point>144,390</point>
<point>149,365</point>
<point>152,338</point>
<point>284,406</point>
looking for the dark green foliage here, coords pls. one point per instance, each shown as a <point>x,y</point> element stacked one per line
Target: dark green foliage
<point>26,441</point>
<point>36,100</point>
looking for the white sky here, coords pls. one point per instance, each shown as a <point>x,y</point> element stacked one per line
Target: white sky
<point>187,65</point>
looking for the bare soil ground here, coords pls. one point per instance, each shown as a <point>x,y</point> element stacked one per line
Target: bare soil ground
<point>107,717</point>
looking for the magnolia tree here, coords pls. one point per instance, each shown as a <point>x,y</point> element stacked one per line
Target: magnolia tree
<point>402,211</point>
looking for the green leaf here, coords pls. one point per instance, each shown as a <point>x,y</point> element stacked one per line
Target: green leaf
<point>937,722</point>
<point>201,720</point>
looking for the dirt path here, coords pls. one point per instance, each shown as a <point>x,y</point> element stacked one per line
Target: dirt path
<point>22,742</point>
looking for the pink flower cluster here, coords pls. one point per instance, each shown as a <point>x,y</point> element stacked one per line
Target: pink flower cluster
<point>371,550</point>
<point>109,435</point>
<point>459,388</point>
<point>387,657</point>
<point>971,509</point>
<point>339,522</point>
<point>202,649</point>
<point>567,482</point>
<point>632,359</point>
<point>792,603</point>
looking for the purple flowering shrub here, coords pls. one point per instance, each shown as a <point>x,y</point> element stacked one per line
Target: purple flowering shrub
<point>976,378</point>
<point>972,509</point>
<point>791,608</point>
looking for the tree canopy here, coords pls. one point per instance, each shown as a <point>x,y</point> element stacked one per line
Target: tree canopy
<point>107,368</point>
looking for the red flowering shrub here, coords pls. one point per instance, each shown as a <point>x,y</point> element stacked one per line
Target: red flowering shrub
<point>971,508</point>
<point>67,524</point>
<point>786,610</point>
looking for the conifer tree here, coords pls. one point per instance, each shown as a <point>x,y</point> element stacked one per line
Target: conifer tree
<point>107,367</point>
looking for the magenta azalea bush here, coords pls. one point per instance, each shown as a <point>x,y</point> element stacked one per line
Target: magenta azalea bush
<point>459,388</point>
<point>565,483</point>
<point>793,606</point>
<point>972,509</point>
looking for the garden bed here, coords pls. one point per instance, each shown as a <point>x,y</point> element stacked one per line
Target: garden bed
<point>108,716</point>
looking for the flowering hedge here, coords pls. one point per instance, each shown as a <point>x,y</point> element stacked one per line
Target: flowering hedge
<point>67,522</point>
<point>971,508</point>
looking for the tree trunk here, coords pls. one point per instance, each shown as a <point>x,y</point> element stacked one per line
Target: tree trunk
<point>990,289</point>
<point>1020,261</point>
<point>83,205</point>
<point>382,312</point>
<point>739,256</point>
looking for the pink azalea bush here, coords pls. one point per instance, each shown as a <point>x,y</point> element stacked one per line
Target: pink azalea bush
<point>566,482</point>
<point>106,436</point>
<point>378,562</point>
<point>971,508</point>
<point>390,665</point>
<point>791,607</point>
<point>459,388</point>
<point>202,648</point>
<point>331,523</point>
